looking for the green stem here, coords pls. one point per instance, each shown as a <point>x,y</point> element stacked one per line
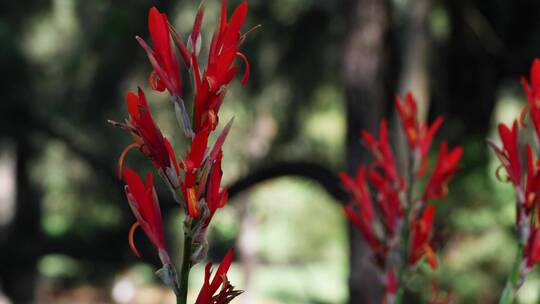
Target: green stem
<point>512,284</point>
<point>186,267</point>
<point>405,229</point>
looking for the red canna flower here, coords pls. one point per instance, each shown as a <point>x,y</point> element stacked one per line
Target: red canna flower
<point>382,153</point>
<point>532,249</point>
<point>364,218</point>
<point>143,201</point>
<point>445,169</point>
<point>211,86</point>
<point>208,295</point>
<point>216,197</point>
<point>532,91</point>
<point>509,155</point>
<point>420,238</point>
<point>166,73</point>
<point>360,192</point>
<point>148,138</point>
<point>532,188</point>
<point>408,113</point>
<point>419,135</point>
<point>388,201</point>
<point>191,165</point>
<point>199,161</point>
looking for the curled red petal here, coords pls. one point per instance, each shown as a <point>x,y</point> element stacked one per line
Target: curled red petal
<point>123,156</point>
<point>131,239</point>
<point>247,70</point>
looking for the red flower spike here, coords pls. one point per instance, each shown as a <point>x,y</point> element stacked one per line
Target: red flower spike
<point>210,87</point>
<point>532,188</point>
<point>166,72</point>
<point>427,135</point>
<point>532,250</point>
<point>509,155</point>
<point>445,169</point>
<point>209,288</point>
<point>216,197</point>
<point>382,153</point>
<point>420,237</point>
<point>388,200</point>
<point>532,91</point>
<point>364,227</point>
<point>408,113</point>
<point>360,192</point>
<point>148,138</point>
<point>198,149</point>
<point>143,201</point>
<point>191,165</point>
<point>419,135</point>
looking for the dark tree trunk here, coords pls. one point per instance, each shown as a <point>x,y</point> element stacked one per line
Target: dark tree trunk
<point>364,68</point>
<point>19,251</point>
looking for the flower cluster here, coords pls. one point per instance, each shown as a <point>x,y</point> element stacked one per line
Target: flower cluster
<point>391,220</point>
<point>195,180</point>
<point>522,167</point>
<point>208,295</point>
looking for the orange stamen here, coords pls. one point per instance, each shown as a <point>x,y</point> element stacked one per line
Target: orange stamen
<point>412,134</point>
<point>530,199</point>
<point>192,203</point>
<point>123,156</point>
<point>130,239</point>
<point>213,118</point>
<point>430,255</point>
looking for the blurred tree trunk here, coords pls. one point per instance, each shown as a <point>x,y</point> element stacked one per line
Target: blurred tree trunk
<point>414,49</point>
<point>19,253</point>
<point>364,66</point>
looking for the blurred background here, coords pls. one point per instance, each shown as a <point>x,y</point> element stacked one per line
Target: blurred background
<point>321,71</point>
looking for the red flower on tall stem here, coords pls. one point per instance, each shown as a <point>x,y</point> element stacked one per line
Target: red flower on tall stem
<point>532,91</point>
<point>420,237</point>
<point>197,166</point>
<point>532,187</point>
<point>216,196</point>
<point>144,204</point>
<point>190,166</point>
<point>388,200</point>
<point>382,153</point>
<point>445,169</point>
<point>148,138</point>
<point>211,86</point>
<point>532,249</point>
<point>419,135</point>
<point>208,295</point>
<point>510,155</point>
<point>166,73</point>
<point>364,218</point>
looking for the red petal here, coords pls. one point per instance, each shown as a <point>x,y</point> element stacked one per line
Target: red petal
<point>197,25</point>
<point>535,74</point>
<point>247,68</point>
